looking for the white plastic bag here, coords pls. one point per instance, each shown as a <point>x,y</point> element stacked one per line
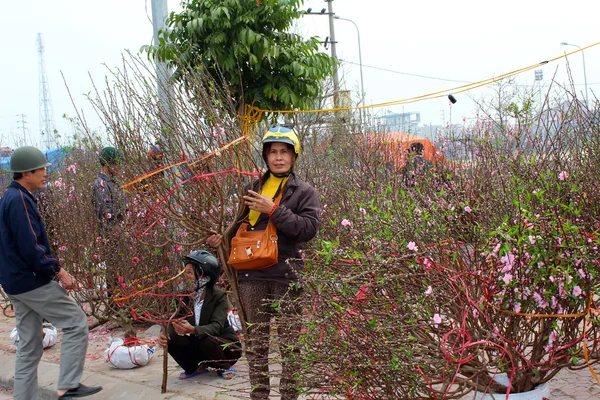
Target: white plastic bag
<point>234,320</point>
<point>49,340</point>
<point>122,356</point>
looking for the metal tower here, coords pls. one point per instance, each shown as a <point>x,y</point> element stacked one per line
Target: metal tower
<point>46,114</point>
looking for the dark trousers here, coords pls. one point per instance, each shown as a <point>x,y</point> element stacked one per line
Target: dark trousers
<point>191,351</point>
<point>257,298</point>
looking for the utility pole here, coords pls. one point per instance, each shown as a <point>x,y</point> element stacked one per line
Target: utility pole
<point>336,79</point>
<point>159,16</point>
<point>539,76</point>
<point>23,129</point>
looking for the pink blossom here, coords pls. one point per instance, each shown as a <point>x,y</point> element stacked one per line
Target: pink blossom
<point>577,291</point>
<point>517,307</point>
<point>508,261</point>
<point>429,290</point>
<point>437,319</point>
<point>412,246</point>
<point>121,279</point>
<point>58,183</point>
<point>135,260</point>
<point>563,175</point>
<point>561,290</point>
<point>72,168</point>
<point>123,285</point>
<point>95,256</point>
<point>363,211</point>
<point>63,248</point>
<point>178,248</point>
<point>346,222</point>
<point>531,239</point>
<point>108,215</point>
<point>496,249</point>
<point>468,209</point>
<point>160,284</point>
<point>507,278</point>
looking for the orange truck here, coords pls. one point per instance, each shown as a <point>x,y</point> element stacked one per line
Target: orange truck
<point>395,147</point>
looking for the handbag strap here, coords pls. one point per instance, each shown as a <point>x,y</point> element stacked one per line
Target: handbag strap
<point>277,197</point>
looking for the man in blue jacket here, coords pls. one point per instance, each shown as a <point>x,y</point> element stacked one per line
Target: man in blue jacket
<point>28,275</point>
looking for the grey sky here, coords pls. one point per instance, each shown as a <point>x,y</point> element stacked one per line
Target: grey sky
<point>463,40</point>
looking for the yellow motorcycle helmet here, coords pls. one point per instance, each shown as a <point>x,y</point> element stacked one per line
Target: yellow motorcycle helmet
<point>281,134</point>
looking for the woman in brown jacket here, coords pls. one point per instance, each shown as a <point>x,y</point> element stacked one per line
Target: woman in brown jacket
<point>297,219</point>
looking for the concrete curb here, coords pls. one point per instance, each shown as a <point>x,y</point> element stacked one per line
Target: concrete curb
<point>7,382</point>
<point>113,388</point>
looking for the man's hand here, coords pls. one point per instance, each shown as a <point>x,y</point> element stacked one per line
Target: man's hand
<point>183,328</point>
<point>66,280</point>
<point>162,340</point>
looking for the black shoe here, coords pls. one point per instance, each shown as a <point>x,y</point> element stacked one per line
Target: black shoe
<point>81,391</point>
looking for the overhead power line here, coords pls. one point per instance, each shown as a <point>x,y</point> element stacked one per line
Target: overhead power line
<point>406,73</point>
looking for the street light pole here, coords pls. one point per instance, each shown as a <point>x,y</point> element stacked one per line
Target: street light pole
<point>587,100</point>
<point>362,86</point>
<point>336,79</point>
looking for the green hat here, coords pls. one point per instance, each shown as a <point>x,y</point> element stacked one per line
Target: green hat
<point>27,158</point>
<point>109,155</point>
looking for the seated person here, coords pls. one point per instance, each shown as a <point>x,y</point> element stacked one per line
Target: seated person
<point>205,339</point>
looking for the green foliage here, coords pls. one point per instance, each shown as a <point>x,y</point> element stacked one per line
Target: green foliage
<point>248,47</point>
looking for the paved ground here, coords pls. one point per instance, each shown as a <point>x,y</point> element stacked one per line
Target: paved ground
<point>144,383</point>
<point>141,383</point>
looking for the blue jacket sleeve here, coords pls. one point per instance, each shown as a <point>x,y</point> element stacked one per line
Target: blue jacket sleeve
<point>31,237</point>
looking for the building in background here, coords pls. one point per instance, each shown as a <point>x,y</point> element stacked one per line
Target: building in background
<point>399,122</point>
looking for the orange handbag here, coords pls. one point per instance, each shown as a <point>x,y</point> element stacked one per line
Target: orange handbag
<point>251,250</point>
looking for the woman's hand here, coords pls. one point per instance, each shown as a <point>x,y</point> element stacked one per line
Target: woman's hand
<point>183,328</point>
<point>214,240</point>
<point>162,340</point>
<point>258,202</point>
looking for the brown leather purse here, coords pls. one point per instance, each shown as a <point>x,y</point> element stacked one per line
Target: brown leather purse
<point>251,250</point>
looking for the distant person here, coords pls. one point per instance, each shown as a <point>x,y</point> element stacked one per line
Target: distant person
<point>204,339</point>
<point>156,156</point>
<point>417,167</point>
<point>108,198</point>
<point>110,205</point>
<point>29,274</point>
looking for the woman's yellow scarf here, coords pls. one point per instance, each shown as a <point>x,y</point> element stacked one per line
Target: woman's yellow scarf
<point>269,189</point>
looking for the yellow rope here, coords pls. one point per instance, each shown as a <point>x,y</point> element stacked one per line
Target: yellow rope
<point>459,89</point>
